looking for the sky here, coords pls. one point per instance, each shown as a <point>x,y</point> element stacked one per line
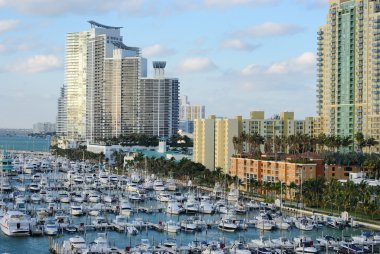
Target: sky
<point>233,56</point>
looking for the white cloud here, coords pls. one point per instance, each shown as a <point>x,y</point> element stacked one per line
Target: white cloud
<point>157,50</point>
<point>251,69</point>
<point>196,64</point>
<point>238,44</point>
<point>304,63</point>
<point>225,3</point>
<point>35,64</point>
<point>270,29</point>
<point>7,24</point>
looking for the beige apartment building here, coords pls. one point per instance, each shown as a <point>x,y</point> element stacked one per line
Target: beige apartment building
<point>348,70</point>
<point>213,137</point>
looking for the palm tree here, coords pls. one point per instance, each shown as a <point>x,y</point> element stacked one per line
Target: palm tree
<point>237,143</point>
<point>370,142</point>
<point>360,141</point>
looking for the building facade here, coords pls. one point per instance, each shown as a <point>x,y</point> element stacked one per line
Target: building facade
<point>272,171</point>
<point>213,141</point>
<point>348,70</point>
<point>158,106</point>
<point>61,114</point>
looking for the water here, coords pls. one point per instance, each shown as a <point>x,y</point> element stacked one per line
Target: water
<point>24,143</point>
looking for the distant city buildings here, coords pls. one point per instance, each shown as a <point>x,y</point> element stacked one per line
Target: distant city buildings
<point>43,128</point>
<point>107,93</point>
<point>188,113</point>
<point>213,137</point>
<point>348,70</point>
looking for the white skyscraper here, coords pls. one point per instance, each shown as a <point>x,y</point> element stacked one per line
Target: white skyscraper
<point>188,113</point>
<point>105,88</point>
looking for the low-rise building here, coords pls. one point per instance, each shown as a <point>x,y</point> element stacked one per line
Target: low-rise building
<point>272,171</point>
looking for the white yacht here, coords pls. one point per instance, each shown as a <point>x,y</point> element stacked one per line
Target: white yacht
<point>158,185</point>
<point>305,245</point>
<point>75,244</point>
<point>76,210</point>
<point>15,223</point>
<point>125,208</point>
<point>227,225</point>
<point>171,227</point>
<point>188,225</point>
<point>163,196</point>
<point>174,207</point>
<point>304,224</point>
<point>51,227</point>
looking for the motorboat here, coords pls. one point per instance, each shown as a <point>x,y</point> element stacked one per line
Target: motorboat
<point>178,196</point>
<point>158,185</point>
<point>94,197</point>
<point>135,197</point>
<point>206,207</point>
<point>188,225</point>
<point>304,224</point>
<point>34,187</point>
<point>304,244</point>
<point>125,208</point>
<point>327,242</point>
<point>51,227</point>
<point>171,227</point>
<point>15,223</point>
<point>163,196</point>
<point>174,207</point>
<point>238,248</point>
<point>35,198</point>
<point>76,210</point>
<point>227,225</point>
<point>75,244</point>
<point>64,197</point>
<point>212,249</point>
<point>100,222</point>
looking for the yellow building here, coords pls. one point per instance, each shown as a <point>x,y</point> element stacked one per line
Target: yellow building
<point>213,141</point>
<point>348,70</point>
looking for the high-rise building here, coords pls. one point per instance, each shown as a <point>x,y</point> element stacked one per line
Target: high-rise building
<point>348,70</point>
<point>61,115</point>
<point>158,106</point>
<point>188,113</point>
<point>104,88</point>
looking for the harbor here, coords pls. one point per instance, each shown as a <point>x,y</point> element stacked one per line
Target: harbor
<point>48,204</point>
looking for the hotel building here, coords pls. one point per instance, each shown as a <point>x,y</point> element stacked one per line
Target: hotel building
<point>348,70</point>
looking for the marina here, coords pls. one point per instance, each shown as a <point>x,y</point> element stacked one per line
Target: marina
<point>55,205</point>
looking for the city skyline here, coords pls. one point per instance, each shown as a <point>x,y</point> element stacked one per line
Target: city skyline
<point>226,67</point>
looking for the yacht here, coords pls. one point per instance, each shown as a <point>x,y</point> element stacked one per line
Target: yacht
<point>76,210</point>
<point>131,187</point>
<point>238,248</point>
<point>64,197</point>
<point>15,223</point>
<point>304,224</point>
<point>171,227</point>
<point>188,225</point>
<point>227,225</point>
<point>51,227</point>
<point>174,207</point>
<point>163,196</point>
<point>75,244</point>
<point>304,245</point>
<point>125,208</point>
<point>158,185</point>
<point>206,207</point>
<point>135,197</point>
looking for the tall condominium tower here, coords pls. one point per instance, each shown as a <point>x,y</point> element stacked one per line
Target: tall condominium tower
<point>105,88</point>
<point>158,106</point>
<point>348,70</point>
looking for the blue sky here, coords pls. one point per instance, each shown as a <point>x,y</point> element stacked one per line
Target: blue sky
<point>233,56</point>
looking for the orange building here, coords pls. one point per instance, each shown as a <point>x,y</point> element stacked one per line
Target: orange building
<point>272,171</point>
<point>340,172</point>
